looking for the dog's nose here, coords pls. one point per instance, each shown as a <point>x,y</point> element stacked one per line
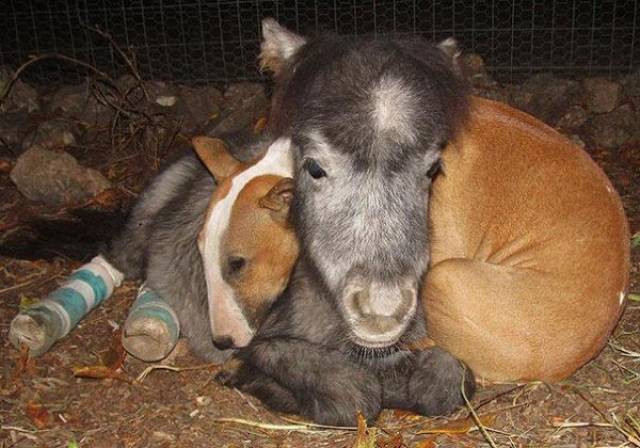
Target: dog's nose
<point>223,342</point>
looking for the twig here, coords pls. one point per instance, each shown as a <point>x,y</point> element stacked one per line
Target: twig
<point>123,55</point>
<point>302,427</point>
<point>475,417</point>
<point>563,425</point>
<point>41,57</point>
<point>150,369</point>
<point>613,421</point>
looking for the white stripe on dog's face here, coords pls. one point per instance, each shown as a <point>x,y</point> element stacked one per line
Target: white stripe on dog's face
<point>225,315</point>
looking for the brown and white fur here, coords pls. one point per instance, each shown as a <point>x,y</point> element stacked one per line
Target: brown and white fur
<point>164,235</point>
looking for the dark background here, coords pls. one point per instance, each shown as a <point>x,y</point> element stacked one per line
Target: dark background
<point>200,41</point>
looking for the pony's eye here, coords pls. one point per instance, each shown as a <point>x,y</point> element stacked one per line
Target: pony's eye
<point>314,169</point>
<point>235,264</point>
<point>434,169</point>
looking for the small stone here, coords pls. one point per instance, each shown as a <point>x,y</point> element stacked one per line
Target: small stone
<point>161,93</point>
<point>575,139</point>
<point>613,129</point>
<point>573,119</point>
<point>601,95</point>
<point>55,133</point>
<point>203,400</point>
<point>55,178</point>
<point>162,437</point>
<point>166,101</point>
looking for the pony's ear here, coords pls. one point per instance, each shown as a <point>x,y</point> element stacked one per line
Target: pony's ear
<point>278,46</point>
<point>213,153</point>
<point>450,48</point>
<point>278,200</point>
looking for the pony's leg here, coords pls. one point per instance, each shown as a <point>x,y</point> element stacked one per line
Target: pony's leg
<point>328,388</point>
<point>430,383</point>
<point>490,316</point>
<point>236,373</point>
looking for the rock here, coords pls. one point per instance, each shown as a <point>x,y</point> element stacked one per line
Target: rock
<point>79,103</point>
<point>573,119</point>
<point>614,128</point>
<point>52,134</point>
<point>243,104</point>
<point>55,178</point>
<point>601,95</point>
<point>22,97</point>
<point>13,128</point>
<point>546,96</point>
<point>198,105</point>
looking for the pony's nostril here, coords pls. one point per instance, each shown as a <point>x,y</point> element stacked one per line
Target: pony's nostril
<point>407,298</point>
<point>362,302</point>
<point>223,342</point>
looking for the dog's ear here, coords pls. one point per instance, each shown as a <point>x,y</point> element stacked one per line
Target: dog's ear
<point>278,46</point>
<point>450,48</point>
<point>213,153</point>
<point>278,200</point>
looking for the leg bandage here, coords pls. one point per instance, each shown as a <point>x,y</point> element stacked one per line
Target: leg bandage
<point>55,316</point>
<point>152,328</point>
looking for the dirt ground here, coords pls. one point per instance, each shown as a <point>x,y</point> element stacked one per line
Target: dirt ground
<point>43,404</point>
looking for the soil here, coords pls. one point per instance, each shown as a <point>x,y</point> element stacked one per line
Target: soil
<point>43,404</point>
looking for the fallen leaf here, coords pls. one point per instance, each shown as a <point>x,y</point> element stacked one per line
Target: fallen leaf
<point>108,199</point>
<point>460,426</point>
<point>27,302</point>
<point>366,437</point>
<point>24,365</point>
<point>73,444</point>
<point>111,361</point>
<point>405,414</point>
<point>635,240</point>
<point>115,356</point>
<point>38,414</point>
<point>5,166</point>
<point>395,441</point>
<point>634,297</point>
<point>426,443</point>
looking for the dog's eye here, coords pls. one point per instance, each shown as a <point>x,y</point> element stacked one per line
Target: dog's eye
<point>235,264</point>
<point>314,169</point>
<point>434,169</point>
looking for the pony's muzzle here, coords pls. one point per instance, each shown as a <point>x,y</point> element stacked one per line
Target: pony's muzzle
<point>378,314</point>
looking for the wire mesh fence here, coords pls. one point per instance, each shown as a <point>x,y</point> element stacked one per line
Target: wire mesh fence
<point>205,41</point>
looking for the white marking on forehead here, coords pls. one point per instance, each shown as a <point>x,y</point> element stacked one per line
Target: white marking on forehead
<point>277,161</point>
<point>622,296</point>
<point>393,108</point>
